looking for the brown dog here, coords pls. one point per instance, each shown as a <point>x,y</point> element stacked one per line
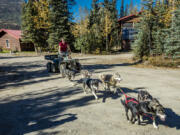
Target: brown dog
<point>86,74</point>
<point>110,80</point>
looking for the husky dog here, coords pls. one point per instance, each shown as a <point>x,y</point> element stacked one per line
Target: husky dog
<point>156,109</point>
<point>144,96</point>
<point>70,74</point>
<point>86,74</point>
<point>136,108</point>
<point>110,80</point>
<point>92,85</point>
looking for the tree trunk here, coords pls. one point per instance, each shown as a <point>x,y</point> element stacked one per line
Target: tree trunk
<point>36,49</point>
<point>107,48</point>
<point>40,50</point>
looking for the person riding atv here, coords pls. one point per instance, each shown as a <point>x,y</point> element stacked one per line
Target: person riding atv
<point>62,61</point>
<point>64,54</point>
<point>64,49</point>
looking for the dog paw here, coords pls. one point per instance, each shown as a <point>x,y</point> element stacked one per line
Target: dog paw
<point>155,126</point>
<point>141,120</point>
<point>136,122</point>
<point>85,93</point>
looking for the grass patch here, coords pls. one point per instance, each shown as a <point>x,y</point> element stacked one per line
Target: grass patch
<point>160,61</point>
<point>4,51</point>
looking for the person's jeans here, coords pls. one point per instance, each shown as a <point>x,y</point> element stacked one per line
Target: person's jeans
<point>64,55</point>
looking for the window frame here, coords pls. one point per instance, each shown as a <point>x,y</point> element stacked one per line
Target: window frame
<point>7,43</point>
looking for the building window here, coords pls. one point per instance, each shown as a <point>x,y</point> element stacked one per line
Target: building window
<point>7,44</point>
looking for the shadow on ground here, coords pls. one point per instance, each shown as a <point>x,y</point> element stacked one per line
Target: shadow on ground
<point>110,94</point>
<point>172,120</point>
<point>23,73</point>
<point>15,74</point>
<point>94,67</point>
<point>14,57</point>
<point>44,109</point>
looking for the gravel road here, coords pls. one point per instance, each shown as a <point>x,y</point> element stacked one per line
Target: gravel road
<point>35,102</point>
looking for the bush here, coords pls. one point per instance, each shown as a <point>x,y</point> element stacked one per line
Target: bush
<point>1,49</point>
<point>97,51</point>
<point>105,53</point>
<point>161,62</point>
<point>145,58</point>
<point>4,50</point>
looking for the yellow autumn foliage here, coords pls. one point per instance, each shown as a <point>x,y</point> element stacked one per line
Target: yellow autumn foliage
<point>42,18</point>
<point>167,18</point>
<point>80,28</point>
<point>107,23</point>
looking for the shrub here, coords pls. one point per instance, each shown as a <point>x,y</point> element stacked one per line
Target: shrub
<point>145,58</point>
<point>97,51</point>
<point>161,62</point>
<point>105,53</point>
<point>4,50</point>
<point>1,49</point>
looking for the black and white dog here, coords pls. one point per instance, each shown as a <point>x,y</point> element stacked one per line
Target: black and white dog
<point>144,96</point>
<point>157,110</point>
<point>92,85</point>
<point>154,107</point>
<point>137,109</point>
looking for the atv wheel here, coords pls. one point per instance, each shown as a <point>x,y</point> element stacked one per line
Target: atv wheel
<point>49,67</point>
<point>78,66</point>
<point>53,68</point>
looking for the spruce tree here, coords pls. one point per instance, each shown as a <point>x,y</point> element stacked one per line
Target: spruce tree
<point>131,7</point>
<point>29,33</point>
<point>166,2</point>
<point>60,22</point>
<point>102,32</point>
<point>110,12</point>
<point>93,18</point>
<point>42,24</point>
<point>126,10</point>
<point>114,37</point>
<point>172,44</point>
<point>94,36</point>
<point>159,25</point>
<point>122,8</point>
<point>144,44</point>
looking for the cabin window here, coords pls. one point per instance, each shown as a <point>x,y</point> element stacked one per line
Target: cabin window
<point>7,44</point>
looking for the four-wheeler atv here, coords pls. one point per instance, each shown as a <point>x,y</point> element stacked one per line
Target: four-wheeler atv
<point>57,63</point>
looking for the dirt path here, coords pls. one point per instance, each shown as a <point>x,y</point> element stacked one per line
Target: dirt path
<point>34,102</point>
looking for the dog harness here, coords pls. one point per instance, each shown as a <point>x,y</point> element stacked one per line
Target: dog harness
<point>134,101</point>
<point>129,100</point>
